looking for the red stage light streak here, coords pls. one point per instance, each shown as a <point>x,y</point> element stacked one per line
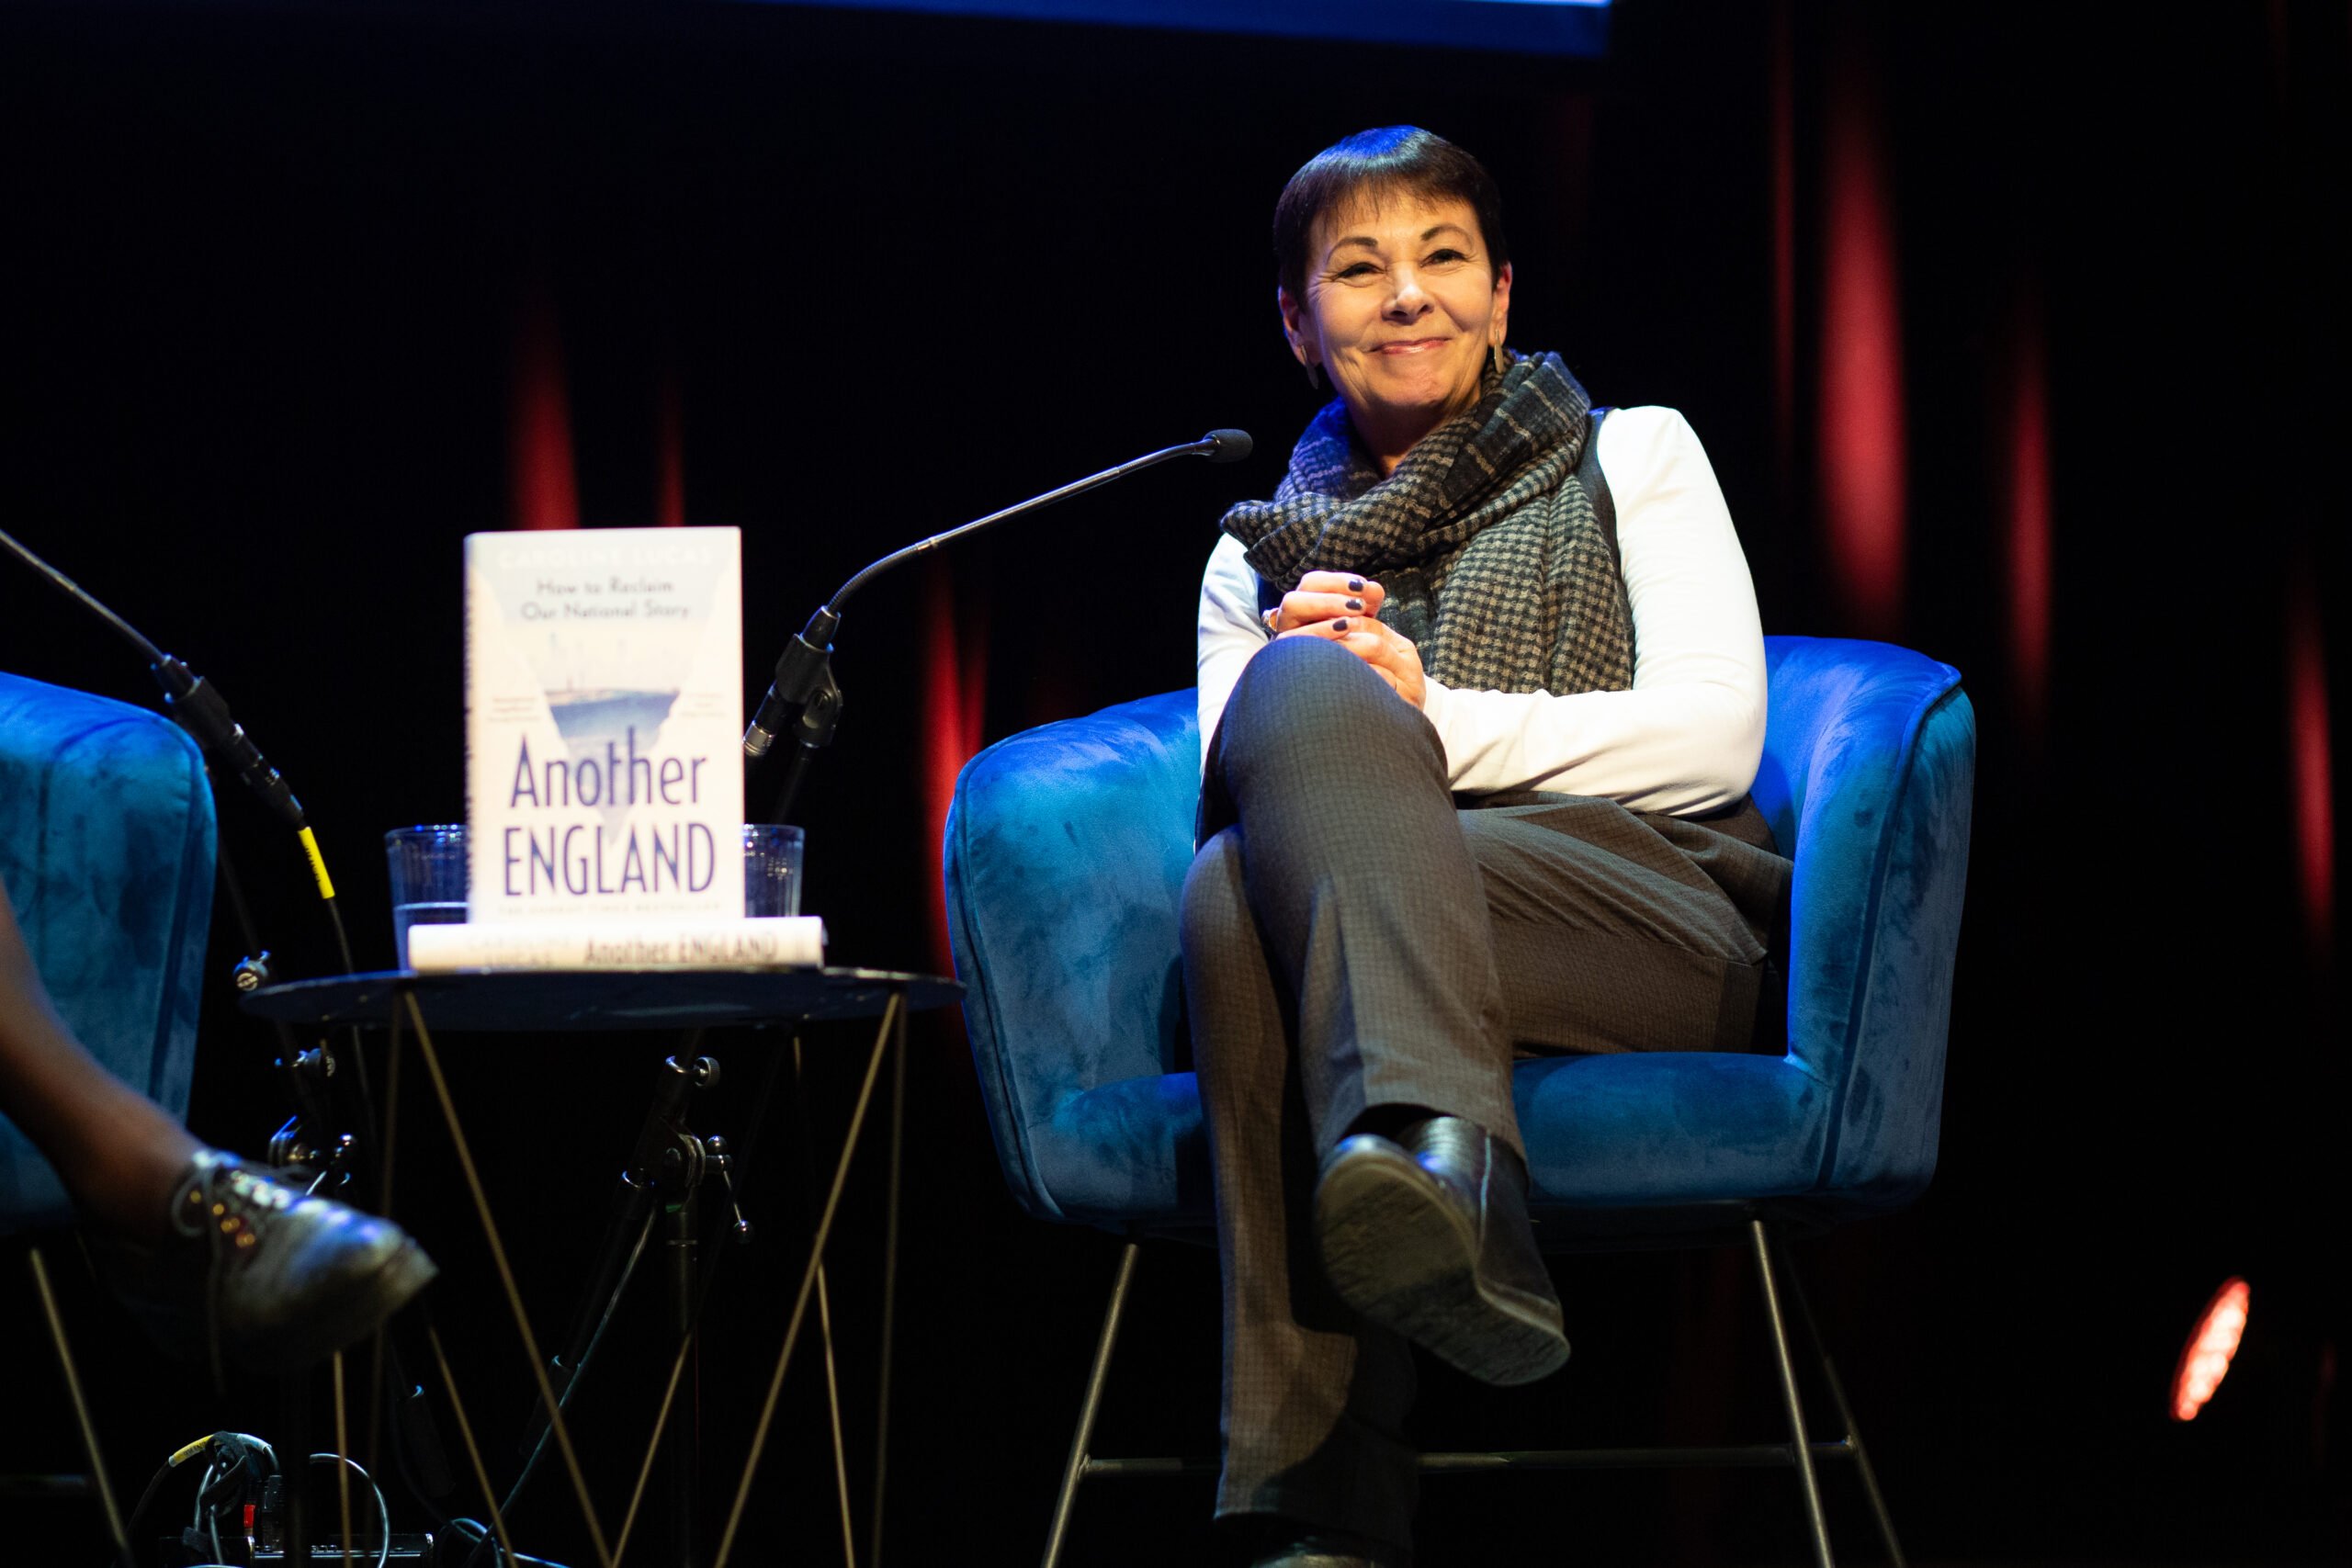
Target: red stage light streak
<point>670,453</point>
<point>2310,763</point>
<point>1863,458</point>
<point>2028,520</point>
<point>2205,1360</point>
<point>954,687</point>
<point>1784,242</point>
<point>545,490</point>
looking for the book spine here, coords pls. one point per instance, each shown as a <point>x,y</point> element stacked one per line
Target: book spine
<point>780,942</point>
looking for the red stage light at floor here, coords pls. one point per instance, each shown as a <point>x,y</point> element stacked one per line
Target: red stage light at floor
<point>2205,1359</point>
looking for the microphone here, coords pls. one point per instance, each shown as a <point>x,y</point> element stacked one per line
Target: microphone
<point>199,708</point>
<point>803,698</point>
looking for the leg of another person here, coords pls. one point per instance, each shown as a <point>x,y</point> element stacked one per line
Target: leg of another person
<point>218,1258</point>
<point>117,1151</point>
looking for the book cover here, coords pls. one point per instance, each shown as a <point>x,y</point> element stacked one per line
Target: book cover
<point>603,942</point>
<point>603,722</point>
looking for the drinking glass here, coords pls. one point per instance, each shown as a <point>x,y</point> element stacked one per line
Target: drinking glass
<point>428,866</point>
<point>770,869</point>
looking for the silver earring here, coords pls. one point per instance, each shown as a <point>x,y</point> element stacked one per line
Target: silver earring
<point>1314,376</point>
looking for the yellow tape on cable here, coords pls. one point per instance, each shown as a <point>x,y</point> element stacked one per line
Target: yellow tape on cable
<point>318,865</point>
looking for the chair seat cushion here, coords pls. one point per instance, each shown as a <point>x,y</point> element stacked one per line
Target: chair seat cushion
<point>1666,1129</point>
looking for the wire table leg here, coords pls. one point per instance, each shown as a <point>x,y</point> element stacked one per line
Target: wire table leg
<point>889,1286</point>
<point>294,1434</point>
<point>388,1147</point>
<point>825,1336</point>
<point>81,1408</point>
<point>341,1464</point>
<point>506,1279</point>
<point>473,1449</point>
<point>809,1276</point>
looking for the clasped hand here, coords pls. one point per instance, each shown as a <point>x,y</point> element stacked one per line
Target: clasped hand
<point>1343,609</point>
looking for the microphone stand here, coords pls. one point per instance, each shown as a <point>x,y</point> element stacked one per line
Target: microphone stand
<point>804,704</point>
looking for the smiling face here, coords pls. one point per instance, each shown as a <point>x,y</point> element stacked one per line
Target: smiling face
<point>1402,306</point>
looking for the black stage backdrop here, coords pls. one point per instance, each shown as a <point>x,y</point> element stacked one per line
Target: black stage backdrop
<point>280,277</point>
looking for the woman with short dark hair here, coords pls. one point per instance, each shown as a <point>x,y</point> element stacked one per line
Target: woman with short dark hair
<point>1481,693</point>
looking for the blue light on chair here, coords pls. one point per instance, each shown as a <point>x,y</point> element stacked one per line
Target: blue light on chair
<point>1067,847</point>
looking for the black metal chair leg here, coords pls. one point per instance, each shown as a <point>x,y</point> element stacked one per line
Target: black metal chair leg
<point>1846,1413</point>
<point>1801,1447</point>
<point>1082,1441</point>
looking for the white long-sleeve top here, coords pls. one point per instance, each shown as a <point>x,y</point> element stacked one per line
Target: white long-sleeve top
<point>1685,738</point>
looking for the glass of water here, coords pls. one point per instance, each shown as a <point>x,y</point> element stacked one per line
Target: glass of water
<point>428,866</point>
<point>770,869</point>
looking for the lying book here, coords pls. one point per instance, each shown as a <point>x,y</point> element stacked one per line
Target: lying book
<point>587,943</point>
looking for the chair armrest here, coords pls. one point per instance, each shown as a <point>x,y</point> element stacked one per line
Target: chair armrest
<point>1065,852</point>
<point>1869,771</point>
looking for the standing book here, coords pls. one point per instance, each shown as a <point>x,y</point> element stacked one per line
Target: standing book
<point>603,718</point>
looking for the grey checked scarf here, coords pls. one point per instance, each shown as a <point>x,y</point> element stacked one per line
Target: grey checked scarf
<point>1485,541</point>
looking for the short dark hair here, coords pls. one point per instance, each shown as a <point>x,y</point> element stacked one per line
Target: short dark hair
<point>1395,160</point>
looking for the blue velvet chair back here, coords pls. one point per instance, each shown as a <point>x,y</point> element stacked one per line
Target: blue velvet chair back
<point>106,851</point>
<point>1066,853</point>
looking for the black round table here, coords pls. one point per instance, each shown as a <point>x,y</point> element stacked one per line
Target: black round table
<point>666,1167</point>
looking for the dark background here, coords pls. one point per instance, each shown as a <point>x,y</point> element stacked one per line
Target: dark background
<point>270,273</point>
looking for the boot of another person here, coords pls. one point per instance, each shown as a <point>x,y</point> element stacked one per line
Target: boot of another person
<point>1316,1551</point>
<point>257,1273</point>
<point>1285,1543</point>
<point>1427,1234</point>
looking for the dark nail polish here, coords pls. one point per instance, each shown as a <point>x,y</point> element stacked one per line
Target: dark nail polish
<point>1355,604</point>
<point>1340,625</point>
<point>1355,585</point>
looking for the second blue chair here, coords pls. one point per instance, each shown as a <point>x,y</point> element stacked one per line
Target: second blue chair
<point>1066,855</point>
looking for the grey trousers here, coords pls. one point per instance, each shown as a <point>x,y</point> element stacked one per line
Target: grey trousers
<point>1353,941</point>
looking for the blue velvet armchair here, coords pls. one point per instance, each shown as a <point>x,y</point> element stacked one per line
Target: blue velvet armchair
<point>1066,853</point>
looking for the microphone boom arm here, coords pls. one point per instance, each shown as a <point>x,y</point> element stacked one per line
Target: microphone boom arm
<point>803,697</point>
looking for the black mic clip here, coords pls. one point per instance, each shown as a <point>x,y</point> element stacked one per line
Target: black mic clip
<point>204,713</point>
<point>804,679</point>
<point>803,706</point>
